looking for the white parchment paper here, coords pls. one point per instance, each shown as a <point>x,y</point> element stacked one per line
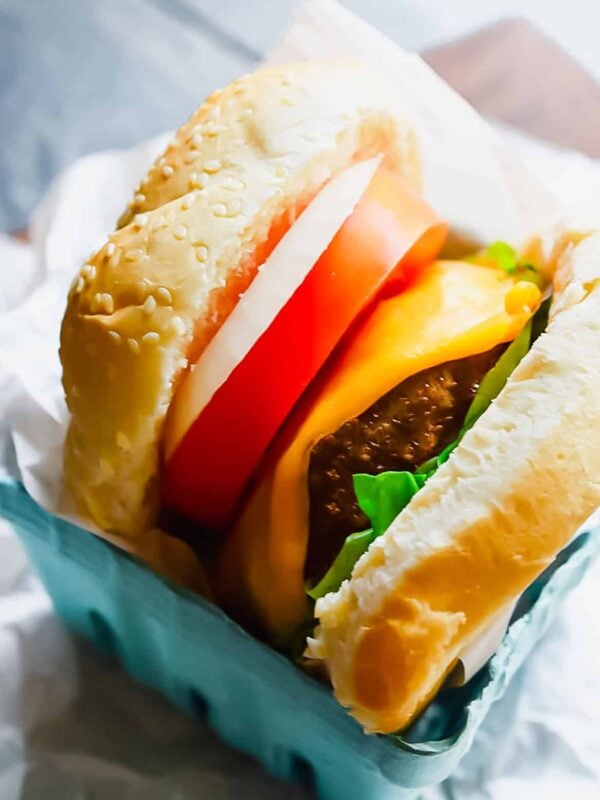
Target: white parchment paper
<point>472,176</point>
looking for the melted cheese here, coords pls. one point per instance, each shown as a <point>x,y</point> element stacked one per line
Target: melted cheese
<point>454,310</point>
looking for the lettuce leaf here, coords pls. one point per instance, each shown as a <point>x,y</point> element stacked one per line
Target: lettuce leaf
<point>355,545</point>
<point>504,257</point>
<point>498,254</point>
<point>382,497</point>
<point>490,387</point>
<point>495,380</point>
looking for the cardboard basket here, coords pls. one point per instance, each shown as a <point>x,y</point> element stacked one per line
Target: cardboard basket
<point>257,700</point>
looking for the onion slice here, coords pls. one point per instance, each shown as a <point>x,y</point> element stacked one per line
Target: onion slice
<point>311,289</point>
<point>276,281</point>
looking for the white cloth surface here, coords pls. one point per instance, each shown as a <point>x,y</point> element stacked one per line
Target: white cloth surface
<point>74,726</point>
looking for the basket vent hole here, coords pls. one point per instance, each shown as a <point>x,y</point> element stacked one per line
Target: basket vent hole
<point>200,705</point>
<point>104,636</point>
<point>302,771</point>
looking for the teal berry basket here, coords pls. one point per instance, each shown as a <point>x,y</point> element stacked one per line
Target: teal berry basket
<point>254,698</point>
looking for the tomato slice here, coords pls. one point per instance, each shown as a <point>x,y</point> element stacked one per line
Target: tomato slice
<point>389,234</point>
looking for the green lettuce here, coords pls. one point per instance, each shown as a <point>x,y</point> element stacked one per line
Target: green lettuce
<point>503,256</point>
<point>382,497</point>
<point>495,380</point>
<point>355,545</point>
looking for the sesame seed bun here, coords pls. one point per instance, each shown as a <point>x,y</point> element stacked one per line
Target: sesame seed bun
<point>485,525</point>
<point>148,302</point>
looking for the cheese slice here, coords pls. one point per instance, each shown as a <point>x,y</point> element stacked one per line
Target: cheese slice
<point>454,310</point>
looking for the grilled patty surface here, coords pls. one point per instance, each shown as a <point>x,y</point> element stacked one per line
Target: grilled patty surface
<point>410,424</point>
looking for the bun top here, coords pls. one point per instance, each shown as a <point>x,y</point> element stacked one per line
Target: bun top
<point>148,302</point>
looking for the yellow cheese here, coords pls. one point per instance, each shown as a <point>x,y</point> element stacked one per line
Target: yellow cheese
<point>454,310</point>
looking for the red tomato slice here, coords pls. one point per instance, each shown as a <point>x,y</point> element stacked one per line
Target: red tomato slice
<point>390,233</point>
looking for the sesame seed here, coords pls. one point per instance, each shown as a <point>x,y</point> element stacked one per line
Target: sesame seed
<point>135,254</point>
<point>123,441</point>
<point>196,181</point>
<point>189,201</point>
<point>139,199</point>
<point>180,231</point>
<point>151,336</point>
<point>140,220</point>
<point>110,248</point>
<point>197,140</point>
<point>114,259</point>
<point>79,284</point>
<point>115,336</point>
<point>89,271</point>
<point>134,346</point>
<point>201,253</point>
<point>231,210</point>
<point>211,129</point>
<point>167,171</point>
<point>178,325</point>
<point>164,296</point>
<point>149,306</point>
<point>108,303</point>
<point>233,184</point>
<point>74,391</point>
<point>96,301</point>
<point>190,156</point>
<point>212,166</point>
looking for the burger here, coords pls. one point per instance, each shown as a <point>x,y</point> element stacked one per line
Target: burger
<point>373,447</point>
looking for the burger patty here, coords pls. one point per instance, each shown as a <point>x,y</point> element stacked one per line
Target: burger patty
<point>407,426</point>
